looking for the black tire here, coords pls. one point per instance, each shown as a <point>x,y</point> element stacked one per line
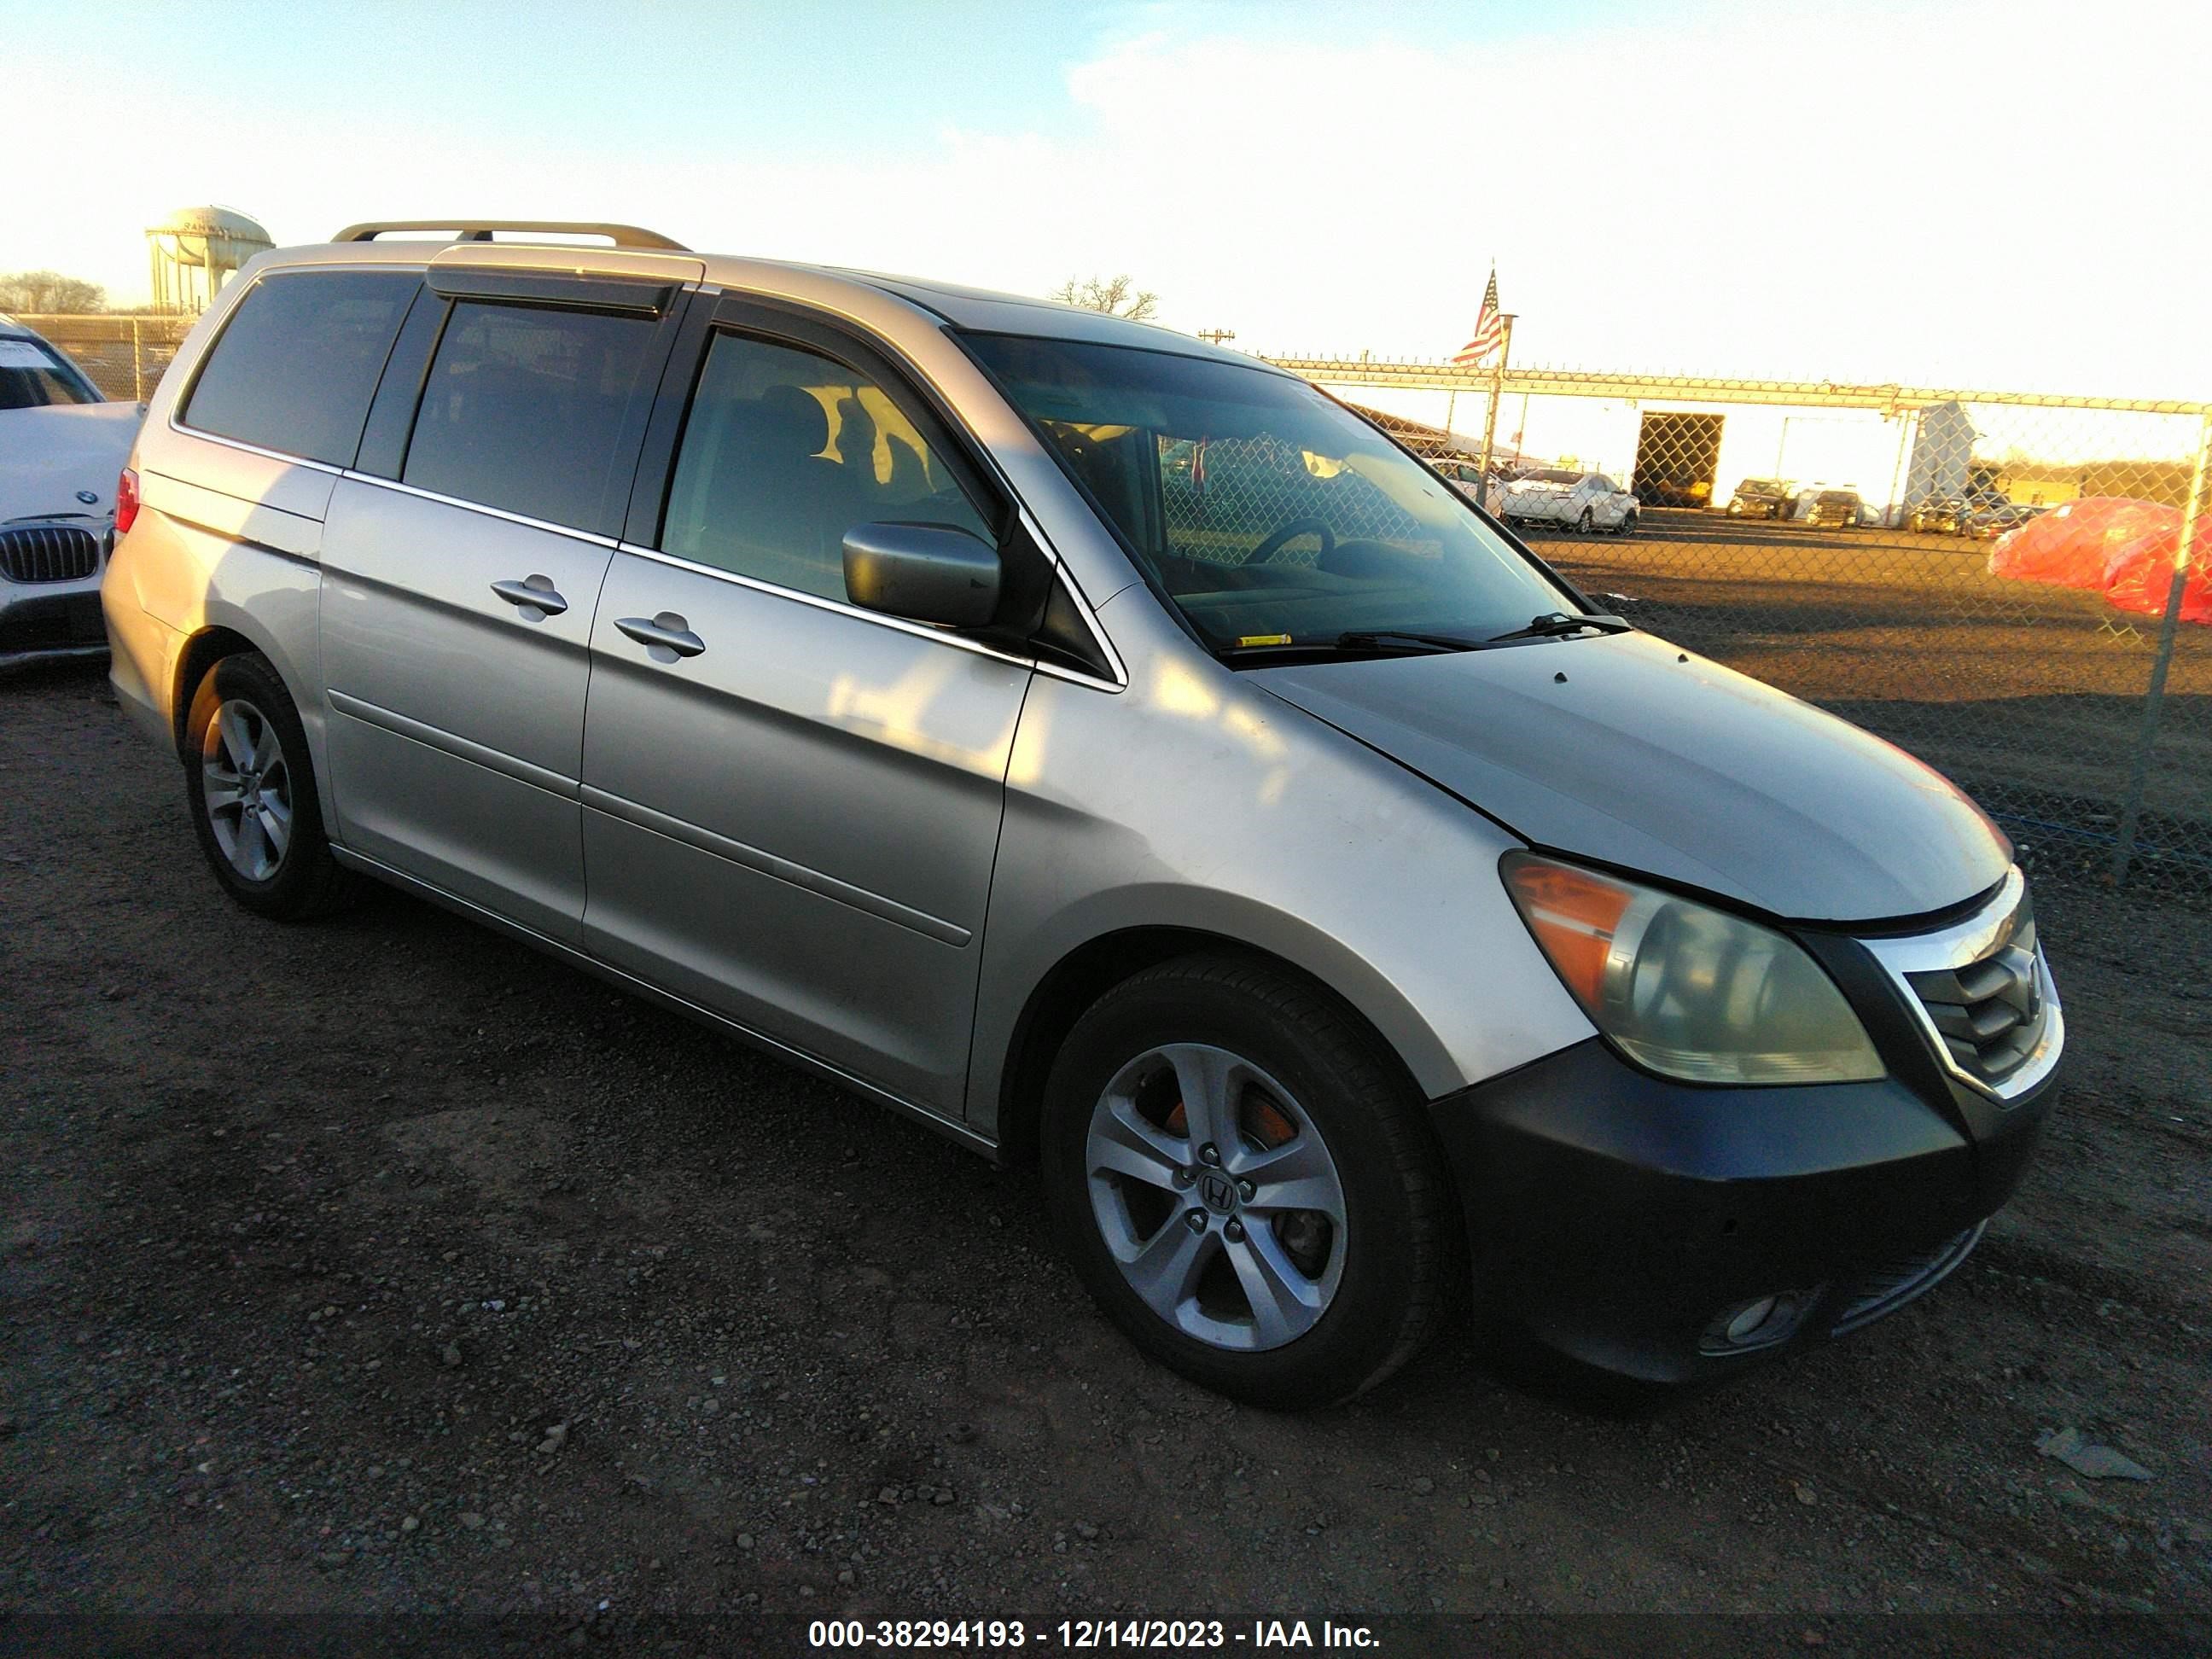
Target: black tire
<point>1583,524</point>
<point>1401,1241</point>
<point>305,881</point>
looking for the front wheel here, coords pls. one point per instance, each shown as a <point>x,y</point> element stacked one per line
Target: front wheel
<point>1582,524</point>
<point>250,787</point>
<point>1245,1184</point>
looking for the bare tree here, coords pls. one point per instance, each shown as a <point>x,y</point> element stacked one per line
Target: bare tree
<point>48,293</point>
<point>1116,296</point>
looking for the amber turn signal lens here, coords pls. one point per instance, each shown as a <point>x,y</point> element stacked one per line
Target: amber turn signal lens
<point>1573,915</point>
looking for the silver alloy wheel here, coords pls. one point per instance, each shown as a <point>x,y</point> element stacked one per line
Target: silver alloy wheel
<point>247,789</point>
<point>1232,1230</point>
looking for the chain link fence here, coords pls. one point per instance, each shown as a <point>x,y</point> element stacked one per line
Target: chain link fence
<point>123,355</point>
<point>1998,582</point>
<point>1995,582</point>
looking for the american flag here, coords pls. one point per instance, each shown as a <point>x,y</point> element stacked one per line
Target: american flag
<point>1489,328</point>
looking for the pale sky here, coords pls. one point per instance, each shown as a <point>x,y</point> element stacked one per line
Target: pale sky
<point>1948,194</point>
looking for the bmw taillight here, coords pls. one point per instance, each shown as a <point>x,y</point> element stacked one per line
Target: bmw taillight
<point>126,501</point>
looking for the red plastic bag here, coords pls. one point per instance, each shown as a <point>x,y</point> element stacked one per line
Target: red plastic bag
<point>2139,574</point>
<point>2122,549</point>
<point>2071,546</point>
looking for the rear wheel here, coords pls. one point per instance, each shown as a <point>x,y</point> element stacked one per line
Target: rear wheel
<point>1245,1185</point>
<point>1582,524</point>
<point>251,791</point>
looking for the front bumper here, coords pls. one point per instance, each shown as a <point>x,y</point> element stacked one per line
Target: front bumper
<point>1615,1215</point>
<point>51,622</point>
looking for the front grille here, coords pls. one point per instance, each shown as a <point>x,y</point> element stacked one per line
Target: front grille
<point>1885,1289</point>
<point>48,553</point>
<point>1989,1014</point>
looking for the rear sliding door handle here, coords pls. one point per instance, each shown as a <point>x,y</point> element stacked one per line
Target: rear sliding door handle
<point>666,637</point>
<point>534,593</point>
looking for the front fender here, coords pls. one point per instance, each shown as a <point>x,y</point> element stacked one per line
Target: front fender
<point>1199,803</point>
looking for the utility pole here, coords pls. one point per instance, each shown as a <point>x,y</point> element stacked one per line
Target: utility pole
<point>1496,390</point>
<point>1216,335</point>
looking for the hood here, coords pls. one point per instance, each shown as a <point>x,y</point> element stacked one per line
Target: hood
<point>47,455</point>
<point>1683,769</point>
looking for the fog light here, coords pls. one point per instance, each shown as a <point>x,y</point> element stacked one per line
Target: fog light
<point>1760,1322</point>
<point>1751,1318</point>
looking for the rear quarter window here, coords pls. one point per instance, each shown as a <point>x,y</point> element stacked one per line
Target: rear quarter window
<point>297,362</point>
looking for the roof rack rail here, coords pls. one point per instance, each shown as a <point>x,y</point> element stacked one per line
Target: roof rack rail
<point>480,230</point>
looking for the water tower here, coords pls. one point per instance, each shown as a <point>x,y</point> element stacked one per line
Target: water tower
<point>195,250</point>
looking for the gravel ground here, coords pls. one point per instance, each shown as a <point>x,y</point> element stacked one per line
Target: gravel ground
<point>385,1266</point>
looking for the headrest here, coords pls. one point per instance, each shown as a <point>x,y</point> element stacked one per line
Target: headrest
<point>788,421</point>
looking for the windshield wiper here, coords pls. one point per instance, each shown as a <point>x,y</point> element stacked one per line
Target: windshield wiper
<point>1398,639</point>
<point>1555,623</point>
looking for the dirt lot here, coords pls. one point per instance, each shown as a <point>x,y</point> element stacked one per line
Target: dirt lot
<point>383,1266</point>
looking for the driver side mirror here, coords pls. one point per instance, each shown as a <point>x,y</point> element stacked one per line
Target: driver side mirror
<point>928,572</point>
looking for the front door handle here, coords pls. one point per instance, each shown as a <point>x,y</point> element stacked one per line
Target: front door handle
<point>533,593</point>
<point>666,637</point>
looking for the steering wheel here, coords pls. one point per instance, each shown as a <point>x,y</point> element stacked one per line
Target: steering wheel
<point>1281,537</point>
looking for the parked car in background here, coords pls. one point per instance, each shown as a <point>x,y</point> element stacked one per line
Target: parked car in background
<point>1760,498</point>
<point>1996,518</point>
<point>1952,515</point>
<point>1368,911</point>
<point>62,446</point>
<point>1834,507</point>
<point>1581,501</point>
<point>1466,476</point>
<point>1940,515</point>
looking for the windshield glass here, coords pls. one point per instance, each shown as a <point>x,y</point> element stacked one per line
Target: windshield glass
<point>30,378</point>
<point>1552,475</point>
<point>1269,514</point>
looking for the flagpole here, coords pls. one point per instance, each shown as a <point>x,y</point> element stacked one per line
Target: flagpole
<point>1497,391</point>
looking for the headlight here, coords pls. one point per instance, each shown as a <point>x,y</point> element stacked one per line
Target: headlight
<point>1684,989</point>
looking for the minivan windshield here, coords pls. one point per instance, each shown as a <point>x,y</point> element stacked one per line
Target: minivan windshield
<point>1270,515</point>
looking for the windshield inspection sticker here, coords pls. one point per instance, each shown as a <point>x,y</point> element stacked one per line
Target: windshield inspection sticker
<point>21,354</point>
<point>1263,639</point>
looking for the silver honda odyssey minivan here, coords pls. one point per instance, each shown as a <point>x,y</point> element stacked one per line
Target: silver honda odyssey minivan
<point>1108,750</point>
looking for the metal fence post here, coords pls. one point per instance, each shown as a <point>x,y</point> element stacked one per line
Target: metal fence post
<point>137,365</point>
<point>2193,514</point>
<point>1497,392</point>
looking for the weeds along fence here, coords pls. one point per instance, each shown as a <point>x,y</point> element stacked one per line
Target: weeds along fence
<point>2002,584</point>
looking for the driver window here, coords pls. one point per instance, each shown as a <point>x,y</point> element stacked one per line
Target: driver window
<point>784,452</point>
